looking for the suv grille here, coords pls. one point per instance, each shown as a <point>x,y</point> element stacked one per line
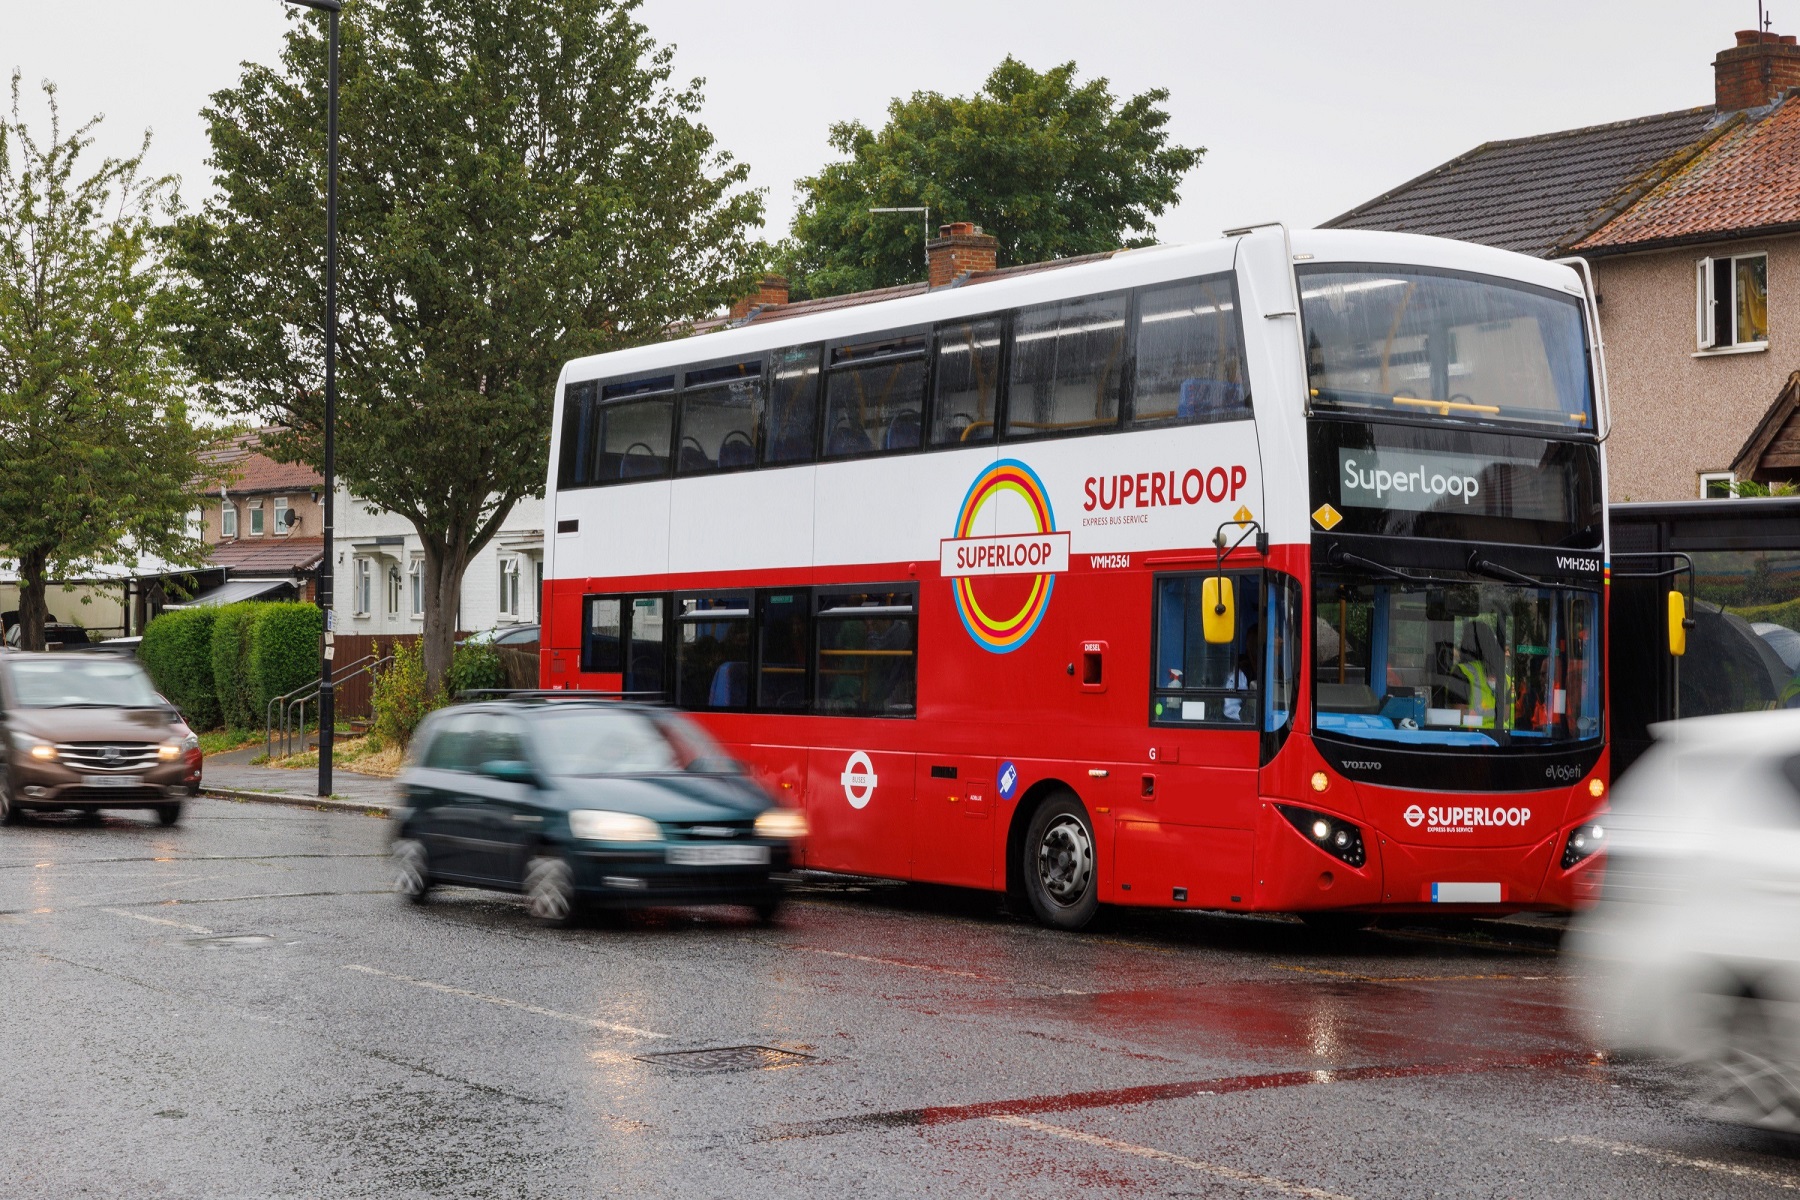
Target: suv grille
<point>713,830</point>
<point>107,756</point>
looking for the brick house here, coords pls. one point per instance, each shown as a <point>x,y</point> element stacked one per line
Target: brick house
<point>1690,221</point>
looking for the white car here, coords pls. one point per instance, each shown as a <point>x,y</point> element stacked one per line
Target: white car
<point>1695,944</point>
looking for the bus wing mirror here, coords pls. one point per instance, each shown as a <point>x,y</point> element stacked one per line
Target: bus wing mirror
<point>1678,624</point>
<point>1218,612</point>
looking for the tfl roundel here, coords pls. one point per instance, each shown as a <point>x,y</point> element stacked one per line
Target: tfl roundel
<point>1004,556</point>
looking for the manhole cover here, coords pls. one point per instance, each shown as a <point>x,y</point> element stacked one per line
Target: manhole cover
<point>727,1058</point>
<point>233,941</point>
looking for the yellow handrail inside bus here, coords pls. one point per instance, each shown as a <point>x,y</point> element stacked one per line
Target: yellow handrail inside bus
<point>1445,406</point>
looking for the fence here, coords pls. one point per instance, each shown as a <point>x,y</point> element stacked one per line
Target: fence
<point>352,696</point>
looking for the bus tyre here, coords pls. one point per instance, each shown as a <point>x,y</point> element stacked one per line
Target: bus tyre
<point>1058,864</point>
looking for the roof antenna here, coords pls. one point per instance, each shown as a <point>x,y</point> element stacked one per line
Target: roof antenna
<point>1763,20</point>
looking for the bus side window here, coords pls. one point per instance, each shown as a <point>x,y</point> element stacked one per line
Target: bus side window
<point>601,643</point>
<point>1190,356</point>
<point>867,661</point>
<point>875,397</point>
<point>965,400</point>
<point>718,419</point>
<point>1068,359</point>
<point>783,639</point>
<point>793,409</point>
<point>577,436</point>
<point>646,641</point>
<point>712,652</point>
<point>1198,682</point>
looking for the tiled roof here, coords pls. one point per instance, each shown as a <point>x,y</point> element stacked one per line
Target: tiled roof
<point>267,555</point>
<point>247,469</point>
<point>1537,195</point>
<point>1748,180</point>
<point>803,308</point>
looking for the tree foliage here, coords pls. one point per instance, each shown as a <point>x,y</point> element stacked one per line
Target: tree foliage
<point>1050,167</point>
<point>97,456</point>
<point>520,184</point>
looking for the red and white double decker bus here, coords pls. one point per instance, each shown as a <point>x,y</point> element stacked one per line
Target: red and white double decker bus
<point>1260,575</point>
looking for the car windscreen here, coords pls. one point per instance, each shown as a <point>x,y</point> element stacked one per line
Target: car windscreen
<point>84,683</point>
<point>595,740</point>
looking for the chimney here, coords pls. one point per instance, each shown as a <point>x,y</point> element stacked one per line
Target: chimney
<point>1756,71</point>
<point>772,290</point>
<point>959,249</point>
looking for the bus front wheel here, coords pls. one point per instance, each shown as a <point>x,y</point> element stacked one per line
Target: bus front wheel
<point>1058,864</point>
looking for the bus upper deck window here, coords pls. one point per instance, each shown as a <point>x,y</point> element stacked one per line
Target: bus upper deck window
<point>1190,356</point>
<point>793,413</point>
<point>875,397</point>
<point>718,418</point>
<point>966,390</point>
<point>1068,361</point>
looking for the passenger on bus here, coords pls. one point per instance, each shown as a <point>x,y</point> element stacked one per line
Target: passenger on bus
<point>1473,665</point>
<point>1237,680</point>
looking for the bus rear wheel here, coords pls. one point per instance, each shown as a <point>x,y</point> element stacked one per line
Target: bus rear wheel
<point>1058,864</point>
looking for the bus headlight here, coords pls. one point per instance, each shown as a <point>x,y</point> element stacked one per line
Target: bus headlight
<point>1336,837</point>
<point>781,823</point>
<point>595,825</point>
<point>1584,842</point>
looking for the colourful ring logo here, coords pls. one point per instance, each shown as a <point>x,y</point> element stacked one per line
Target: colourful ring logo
<point>1005,634</point>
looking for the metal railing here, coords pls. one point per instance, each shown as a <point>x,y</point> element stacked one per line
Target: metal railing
<point>286,714</point>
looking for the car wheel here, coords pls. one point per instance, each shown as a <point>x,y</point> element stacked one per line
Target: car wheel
<point>10,813</point>
<point>412,870</point>
<point>168,814</point>
<point>1058,864</point>
<point>550,891</point>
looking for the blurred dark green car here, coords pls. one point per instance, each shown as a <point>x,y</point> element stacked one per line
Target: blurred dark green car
<point>585,804</point>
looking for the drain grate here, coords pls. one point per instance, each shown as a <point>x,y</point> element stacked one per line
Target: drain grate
<point>720,1059</point>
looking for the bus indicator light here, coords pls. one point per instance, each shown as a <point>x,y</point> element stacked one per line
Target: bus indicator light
<point>1320,781</point>
<point>1596,788</point>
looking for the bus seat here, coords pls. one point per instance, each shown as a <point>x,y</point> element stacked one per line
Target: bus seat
<point>692,457</point>
<point>730,686</point>
<point>1202,397</point>
<point>903,431</point>
<point>736,450</point>
<point>847,439</point>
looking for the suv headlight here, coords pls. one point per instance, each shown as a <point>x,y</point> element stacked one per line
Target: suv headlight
<point>34,747</point>
<point>781,823</point>
<point>594,825</point>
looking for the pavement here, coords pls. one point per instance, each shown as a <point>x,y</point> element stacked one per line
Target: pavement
<point>231,776</point>
<point>238,1007</point>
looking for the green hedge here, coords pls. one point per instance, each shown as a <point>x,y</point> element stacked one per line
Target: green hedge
<point>232,630</point>
<point>177,651</point>
<point>399,697</point>
<point>1786,613</point>
<point>475,665</point>
<point>284,651</point>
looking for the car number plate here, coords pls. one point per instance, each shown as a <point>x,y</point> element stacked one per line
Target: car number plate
<point>113,780</point>
<point>718,856</point>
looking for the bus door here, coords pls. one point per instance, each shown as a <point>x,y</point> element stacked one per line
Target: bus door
<point>953,829</point>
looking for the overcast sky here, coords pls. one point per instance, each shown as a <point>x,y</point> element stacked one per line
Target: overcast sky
<point>1306,108</point>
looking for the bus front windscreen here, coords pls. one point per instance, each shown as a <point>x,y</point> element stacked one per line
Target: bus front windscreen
<point>1449,663</point>
<point>1441,345</point>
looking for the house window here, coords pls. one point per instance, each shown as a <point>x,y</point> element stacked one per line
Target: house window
<point>1717,485</point>
<point>228,520</point>
<point>1732,305</point>
<point>416,574</point>
<point>362,588</point>
<point>509,586</point>
<point>256,518</point>
<point>393,590</point>
<point>281,516</point>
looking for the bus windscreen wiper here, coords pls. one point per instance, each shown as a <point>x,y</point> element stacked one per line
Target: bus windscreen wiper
<point>1343,557</point>
<point>1494,570</point>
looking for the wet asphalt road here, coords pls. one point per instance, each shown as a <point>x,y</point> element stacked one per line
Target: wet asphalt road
<point>237,1008</point>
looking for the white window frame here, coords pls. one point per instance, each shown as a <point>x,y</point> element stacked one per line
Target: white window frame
<point>416,586</point>
<point>361,587</point>
<point>1726,477</point>
<point>228,519</point>
<point>281,516</point>
<point>509,586</point>
<point>256,518</point>
<point>395,589</point>
<point>1706,333</point>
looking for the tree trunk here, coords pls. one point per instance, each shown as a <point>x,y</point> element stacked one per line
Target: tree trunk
<point>444,569</point>
<point>34,602</point>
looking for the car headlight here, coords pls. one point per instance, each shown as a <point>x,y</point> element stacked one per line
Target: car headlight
<point>593,825</point>
<point>191,742</point>
<point>35,747</point>
<point>781,823</point>
<point>169,751</point>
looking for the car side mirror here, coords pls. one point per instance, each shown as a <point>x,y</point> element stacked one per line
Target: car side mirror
<point>510,770</point>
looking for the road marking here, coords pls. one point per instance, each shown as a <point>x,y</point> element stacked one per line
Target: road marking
<point>1774,1178</point>
<point>505,1002</point>
<point>1404,978</point>
<point>119,912</point>
<point>1270,1182</point>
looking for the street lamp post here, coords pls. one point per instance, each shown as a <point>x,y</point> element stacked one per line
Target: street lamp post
<point>327,697</point>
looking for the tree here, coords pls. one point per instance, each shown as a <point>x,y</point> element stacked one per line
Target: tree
<point>98,459</point>
<point>519,185</point>
<point>1049,168</point>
